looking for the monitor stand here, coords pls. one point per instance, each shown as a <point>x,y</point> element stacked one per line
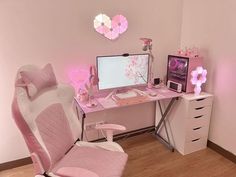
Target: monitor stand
<point>114,92</point>
<point>110,94</point>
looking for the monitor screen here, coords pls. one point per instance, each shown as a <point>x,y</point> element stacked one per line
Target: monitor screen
<point>122,71</point>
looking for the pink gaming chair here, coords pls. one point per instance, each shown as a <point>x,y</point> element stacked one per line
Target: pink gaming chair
<point>51,128</point>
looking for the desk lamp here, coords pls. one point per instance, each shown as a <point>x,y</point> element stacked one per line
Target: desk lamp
<point>198,78</point>
<point>147,46</point>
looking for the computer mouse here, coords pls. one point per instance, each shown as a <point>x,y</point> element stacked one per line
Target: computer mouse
<point>91,105</point>
<point>152,94</point>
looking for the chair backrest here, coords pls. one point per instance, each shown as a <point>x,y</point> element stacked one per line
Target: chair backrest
<point>48,122</point>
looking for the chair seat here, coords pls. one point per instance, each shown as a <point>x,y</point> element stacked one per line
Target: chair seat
<point>90,161</point>
<point>111,146</point>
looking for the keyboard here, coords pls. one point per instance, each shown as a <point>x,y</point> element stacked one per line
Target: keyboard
<point>125,95</point>
<point>129,98</point>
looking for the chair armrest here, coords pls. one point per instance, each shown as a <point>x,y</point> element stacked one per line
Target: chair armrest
<point>110,128</point>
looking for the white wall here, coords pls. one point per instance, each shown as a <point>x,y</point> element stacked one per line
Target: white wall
<point>211,25</point>
<point>61,32</point>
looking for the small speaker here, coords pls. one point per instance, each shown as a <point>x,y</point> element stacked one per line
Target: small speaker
<point>156,81</point>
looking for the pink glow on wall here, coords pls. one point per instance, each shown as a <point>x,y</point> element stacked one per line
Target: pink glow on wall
<point>111,29</point>
<point>79,77</point>
<point>198,78</point>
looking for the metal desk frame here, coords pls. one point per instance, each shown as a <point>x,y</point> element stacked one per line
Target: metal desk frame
<point>162,121</point>
<point>81,113</point>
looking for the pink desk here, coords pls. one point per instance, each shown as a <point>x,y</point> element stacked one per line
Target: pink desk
<point>161,94</point>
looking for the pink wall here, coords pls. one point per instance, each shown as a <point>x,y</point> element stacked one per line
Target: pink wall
<point>61,32</point>
<point>211,26</point>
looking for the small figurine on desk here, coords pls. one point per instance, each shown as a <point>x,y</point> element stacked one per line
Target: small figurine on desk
<point>93,81</point>
<point>82,95</point>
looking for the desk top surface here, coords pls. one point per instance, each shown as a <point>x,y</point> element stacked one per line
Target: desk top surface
<point>104,104</point>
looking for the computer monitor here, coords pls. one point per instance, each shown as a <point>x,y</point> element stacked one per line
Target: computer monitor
<point>120,71</point>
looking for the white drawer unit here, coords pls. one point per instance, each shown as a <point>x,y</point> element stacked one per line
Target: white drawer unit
<point>189,122</point>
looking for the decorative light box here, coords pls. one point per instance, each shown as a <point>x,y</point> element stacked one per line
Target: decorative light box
<point>179,70</point>
<point>110,28</point>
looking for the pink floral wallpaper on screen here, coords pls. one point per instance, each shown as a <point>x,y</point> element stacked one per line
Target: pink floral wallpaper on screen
<point>137,69</point>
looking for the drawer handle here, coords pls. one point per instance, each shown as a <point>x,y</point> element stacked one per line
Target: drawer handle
<point>200,99</point>
<point>197,117</point>
<point>199,108</point>
<point>195,139</point>
<point>197,128</point>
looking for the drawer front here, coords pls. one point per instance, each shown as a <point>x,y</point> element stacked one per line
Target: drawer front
<point>199,111</point>
<point>195,145</point>
<point>198,121</point>
<point>195,133</point>
<point>200,102</point>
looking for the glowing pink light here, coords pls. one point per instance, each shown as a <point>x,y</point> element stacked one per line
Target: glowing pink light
<point>79,77</point>
<point>103,29</point>
<point>198,78</point>
<point>102,23</point>
<point>112,34</point>
<point>120,23</point>
<point>111,29</point>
